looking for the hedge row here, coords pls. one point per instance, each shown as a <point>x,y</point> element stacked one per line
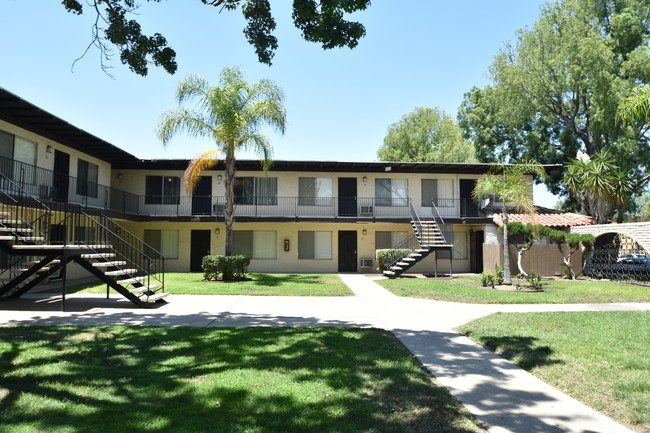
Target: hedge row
<point>229,267</point>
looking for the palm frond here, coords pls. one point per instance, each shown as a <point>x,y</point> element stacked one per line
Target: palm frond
<point>179,120</point>
<point>191,86</point>
<point>197,166</point>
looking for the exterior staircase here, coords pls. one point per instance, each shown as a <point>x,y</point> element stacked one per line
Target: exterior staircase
<point>94,241</point>
<point>426,238</point>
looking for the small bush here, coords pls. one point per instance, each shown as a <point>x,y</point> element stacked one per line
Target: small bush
<point>487,279</point>
<point>535,281</point>
<point>386,257</point>
<point>498,276</point>
<point>229,267</point>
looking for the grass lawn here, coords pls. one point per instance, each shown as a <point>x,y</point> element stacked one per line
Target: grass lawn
<point>599,358</point>
<point>261,284</point>
<point>468,289</point>
<point>252,380</point>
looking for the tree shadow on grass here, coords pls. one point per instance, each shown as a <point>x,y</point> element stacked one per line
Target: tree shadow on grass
<point>217,380</point>
<point>523,351</point>
<point>274,280</point>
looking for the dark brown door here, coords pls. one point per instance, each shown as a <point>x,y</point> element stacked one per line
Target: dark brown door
<point>468,207</point>
<point>347,251</point>
<point>476,241</point>
<point>200,247</point>
<point>202,196</point>
<point>348,196</point>
<point>61,181</point>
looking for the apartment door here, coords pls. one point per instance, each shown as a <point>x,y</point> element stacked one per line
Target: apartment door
<point>200,247</point>
<point>202,196</point>
<point>61,180</point>
<point>468,207</point>
<point>347,251</point>
<point>476,241</point>
<point>348,196</point>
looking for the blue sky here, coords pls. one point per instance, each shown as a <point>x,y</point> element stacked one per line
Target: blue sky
<point>339,102</point>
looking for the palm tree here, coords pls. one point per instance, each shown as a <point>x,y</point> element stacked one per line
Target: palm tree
<point>231,114</point>
<point>599,185</point>
<point>512,184</point>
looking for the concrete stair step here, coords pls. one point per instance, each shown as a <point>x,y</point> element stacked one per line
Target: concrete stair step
<point>120,272</point>
<point>108,264</point>
<point>12,222</point>
<point>15,230</point>
<point>33,262</point>
<point>98,256</point>
<point>157,297</point>
<point>389,273</point>
<point>396,268</point>
<point>133,280</point>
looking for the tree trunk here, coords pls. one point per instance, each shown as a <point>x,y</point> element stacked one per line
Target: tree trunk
<point>507,278</point>
<point>229,211</point>
<point>520,256</point>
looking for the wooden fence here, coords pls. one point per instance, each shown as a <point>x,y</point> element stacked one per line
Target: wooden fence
<point>543,259</point>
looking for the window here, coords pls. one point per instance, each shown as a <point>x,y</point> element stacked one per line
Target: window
<point>258,244</point>
<point>315,245</point>
<point>256,190</point>
<point>391,192</point>
<point>388,240</point>
<point>17,158</point>
<point>163,241</point>
<point>162,190</point>
<point>87,176</point>
<point>460,249</point>
<point>315,191</point>
<point>440,191</point>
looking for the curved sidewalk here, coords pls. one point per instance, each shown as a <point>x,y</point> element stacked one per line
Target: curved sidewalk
<point>503,396</point>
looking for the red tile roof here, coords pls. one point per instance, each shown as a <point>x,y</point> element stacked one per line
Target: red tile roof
<point>547,217</point>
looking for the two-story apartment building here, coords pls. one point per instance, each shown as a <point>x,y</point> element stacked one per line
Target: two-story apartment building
<point>300,216</point>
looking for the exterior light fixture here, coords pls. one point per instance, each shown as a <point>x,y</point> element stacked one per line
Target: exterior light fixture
<point>364,232</point>
<point>49,149</point>
<point>120,176</point>
<point>219,178</point>
<point>364,179</point>
<point>217,231</point>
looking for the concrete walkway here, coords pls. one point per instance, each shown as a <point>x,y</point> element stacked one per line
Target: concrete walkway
<point>503,397</point>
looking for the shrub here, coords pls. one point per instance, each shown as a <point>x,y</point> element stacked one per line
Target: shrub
<point>535,281</point>
<point>386,257</point>
<point>230,267</point>
<point>487,279</point>
<point>498,275</point>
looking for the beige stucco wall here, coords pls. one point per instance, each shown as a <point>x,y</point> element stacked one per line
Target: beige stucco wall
<point>134,182</point>
<point>289,261</point>
<point>46,160</point>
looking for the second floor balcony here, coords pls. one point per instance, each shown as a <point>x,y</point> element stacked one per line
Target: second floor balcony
<point>47,185</point>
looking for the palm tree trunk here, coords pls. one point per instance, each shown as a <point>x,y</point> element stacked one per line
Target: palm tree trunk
<point>507,279</point>
<point>229,211</point>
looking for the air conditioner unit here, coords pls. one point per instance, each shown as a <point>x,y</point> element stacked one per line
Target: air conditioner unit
<point>365,263</point>
<point>365,210</point>
<point>46,191</point>
<point>218,209</point>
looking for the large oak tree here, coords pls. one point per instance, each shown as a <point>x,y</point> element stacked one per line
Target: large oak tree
<point>320,21</point>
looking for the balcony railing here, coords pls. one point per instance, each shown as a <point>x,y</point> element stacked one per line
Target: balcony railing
<point>48,185</point>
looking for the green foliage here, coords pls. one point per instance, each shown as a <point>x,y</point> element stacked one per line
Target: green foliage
<point>320,22</point>
<point>426,135</point>
<point>387,256</point>
<point>599,185</point>
<point>557,88</point>
<point>490,279</point>
<point>232,115</point>
<point>229,267</point>
<point>535,281</point>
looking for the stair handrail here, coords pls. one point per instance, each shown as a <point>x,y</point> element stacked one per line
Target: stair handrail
<point>411,243</point>
<point>415,220</point>
<point>21,208</point>
<point>437,218</point>
<point>149,269</point>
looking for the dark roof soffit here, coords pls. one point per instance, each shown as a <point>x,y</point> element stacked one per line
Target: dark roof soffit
<point>23,114</point>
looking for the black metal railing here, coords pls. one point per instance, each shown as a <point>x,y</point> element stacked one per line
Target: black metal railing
<point>440,222</point>
<point>403,249</point>
<point>456,207</point>
<point>616,263</point>
<point>127,247</point>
